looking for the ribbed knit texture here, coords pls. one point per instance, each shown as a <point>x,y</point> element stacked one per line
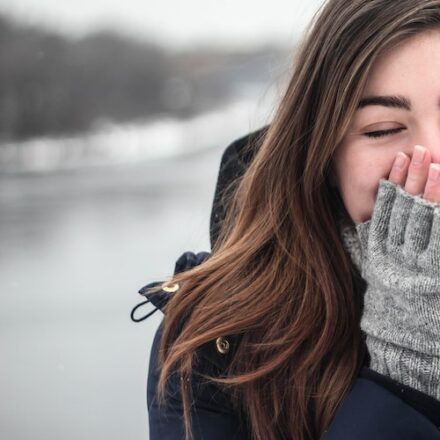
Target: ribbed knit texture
<point>397,252</point>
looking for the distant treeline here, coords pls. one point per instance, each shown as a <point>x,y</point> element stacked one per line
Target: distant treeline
<point>53,85</point>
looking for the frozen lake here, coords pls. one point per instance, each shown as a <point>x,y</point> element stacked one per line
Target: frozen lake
<point>76,245</point>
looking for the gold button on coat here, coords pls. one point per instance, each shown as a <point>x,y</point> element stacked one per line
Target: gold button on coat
<point>170,287</point>
<point>222,345</point>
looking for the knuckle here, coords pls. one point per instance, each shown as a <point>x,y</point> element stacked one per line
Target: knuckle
<point>414,177</point>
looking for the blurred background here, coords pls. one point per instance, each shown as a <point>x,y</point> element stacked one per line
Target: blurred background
<point>113,120</point>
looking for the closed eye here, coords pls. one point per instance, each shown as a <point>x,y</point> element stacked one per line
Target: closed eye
<point>377,134</point>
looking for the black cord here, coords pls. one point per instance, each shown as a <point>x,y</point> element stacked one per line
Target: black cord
<point>144,317</point>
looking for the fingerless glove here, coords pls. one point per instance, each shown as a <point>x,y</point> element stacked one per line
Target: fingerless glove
<point>398,254</point>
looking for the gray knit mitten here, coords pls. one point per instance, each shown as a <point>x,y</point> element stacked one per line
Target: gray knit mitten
<point>400,247</point>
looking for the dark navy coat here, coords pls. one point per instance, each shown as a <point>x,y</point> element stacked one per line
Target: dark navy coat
<point>376,408</point>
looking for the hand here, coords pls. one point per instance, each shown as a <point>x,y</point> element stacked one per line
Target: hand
<point>418,176</point>
<point>400,247</point>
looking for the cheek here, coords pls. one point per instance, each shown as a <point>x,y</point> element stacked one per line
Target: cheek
<point>358,194</point>
<point>359,176</point>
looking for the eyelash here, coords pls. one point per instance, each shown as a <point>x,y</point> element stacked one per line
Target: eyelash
<point>378,134</point>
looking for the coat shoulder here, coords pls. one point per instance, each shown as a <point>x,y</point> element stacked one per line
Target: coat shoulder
<point>213,415</point>
<point>371,411</point>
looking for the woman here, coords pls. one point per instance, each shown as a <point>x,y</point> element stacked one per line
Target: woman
<point>317,312</point>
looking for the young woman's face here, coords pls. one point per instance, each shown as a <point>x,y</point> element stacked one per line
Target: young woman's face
<point>411,73</point>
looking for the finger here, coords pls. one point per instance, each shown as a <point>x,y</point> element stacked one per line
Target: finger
<point>418,171</point>
<point>399,170</point>
<point>418,230</point>
<point>399,217</point>
<point>432,188</point>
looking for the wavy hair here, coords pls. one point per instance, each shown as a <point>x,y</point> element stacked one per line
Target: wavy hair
<point>278,276</point>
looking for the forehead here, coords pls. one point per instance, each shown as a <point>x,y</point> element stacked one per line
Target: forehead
<point>412,61</point>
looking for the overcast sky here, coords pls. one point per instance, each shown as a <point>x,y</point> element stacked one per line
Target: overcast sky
<point>178,23</point>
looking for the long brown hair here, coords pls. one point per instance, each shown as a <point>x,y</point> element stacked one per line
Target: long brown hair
<point>279,276</point>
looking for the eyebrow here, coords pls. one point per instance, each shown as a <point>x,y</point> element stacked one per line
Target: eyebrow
<point>393,101</point>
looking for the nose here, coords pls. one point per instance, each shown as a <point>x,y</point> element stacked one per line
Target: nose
<point>429,137</point>
<point>434,150</point>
